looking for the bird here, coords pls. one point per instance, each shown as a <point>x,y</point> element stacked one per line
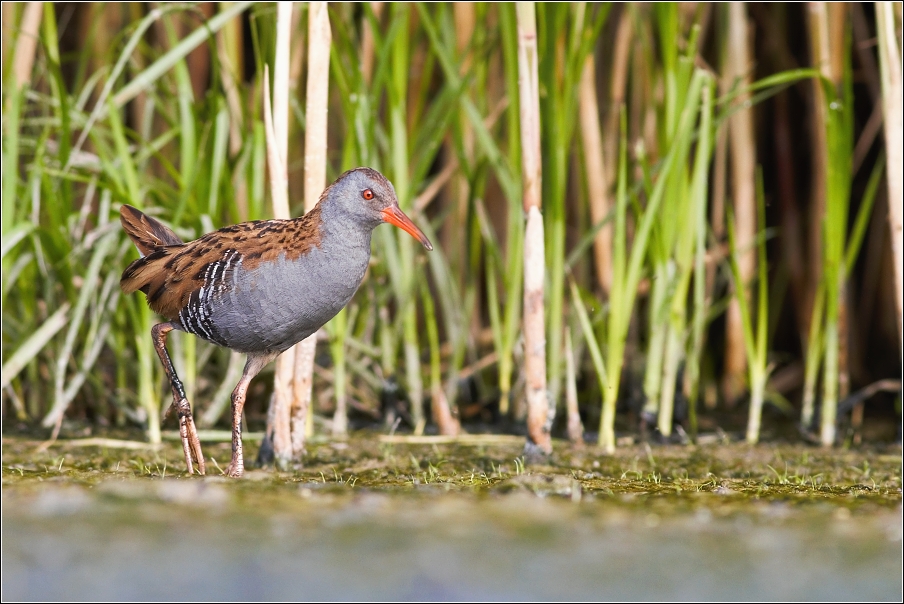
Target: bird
<point>258,287</point>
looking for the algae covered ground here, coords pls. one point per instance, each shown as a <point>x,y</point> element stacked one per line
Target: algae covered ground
<point>374,519</point>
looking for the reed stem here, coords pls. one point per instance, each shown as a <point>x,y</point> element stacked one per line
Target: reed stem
<point>534,254</point>
<point>892,103</point>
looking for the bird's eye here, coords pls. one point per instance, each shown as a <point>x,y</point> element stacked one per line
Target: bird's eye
<point>367,194</point>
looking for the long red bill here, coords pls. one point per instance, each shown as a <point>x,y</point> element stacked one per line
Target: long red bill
<point>393,215</point>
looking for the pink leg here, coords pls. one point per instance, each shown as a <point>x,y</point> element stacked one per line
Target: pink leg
<point>255,363</point>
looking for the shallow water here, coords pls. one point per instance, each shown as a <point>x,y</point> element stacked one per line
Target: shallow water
<point>550,533</point>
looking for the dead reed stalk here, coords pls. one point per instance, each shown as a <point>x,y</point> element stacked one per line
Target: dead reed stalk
<point>742,145</point>
<point>27,43</point>
<point>597,174</point>
<point>277,118</point>
<point>893,105</point>
<point>534,254</point>
<point>315,145</point>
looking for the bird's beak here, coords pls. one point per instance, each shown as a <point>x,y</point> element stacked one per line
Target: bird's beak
<point>393,215</point>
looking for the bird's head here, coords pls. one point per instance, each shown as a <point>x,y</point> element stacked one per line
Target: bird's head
<point>370,198</point>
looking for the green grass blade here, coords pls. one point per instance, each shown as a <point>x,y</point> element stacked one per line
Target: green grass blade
<point>33,346</point>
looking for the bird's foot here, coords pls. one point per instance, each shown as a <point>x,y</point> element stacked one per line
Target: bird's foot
<point>236,468</point>
<point>191,444</point>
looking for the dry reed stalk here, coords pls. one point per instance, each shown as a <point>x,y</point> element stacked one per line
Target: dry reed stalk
<point>817,30</point>
<point>113,443</point>
<point>534,254</point>
<point>276,128</point>
<point>8,34</point>
<point>459,193</point>
<point>618,81</point>
<point>229,55</point>
<point>315,145</point>
<point>474,440</point>
<point>367,44</point>
<point>278,421</point>
<point>892,102</point>
<point>575,426</point>
<point>742,143</point>
<point>100,26</point>
<point>138,107</point>
<point>297,54</point>
<point>281,100</point>
<point>446,423</point>
<point>229,49</point>
<point>597,175</point>
<point>459,190</point>
<point>26,43</point>
<point>198,60</point>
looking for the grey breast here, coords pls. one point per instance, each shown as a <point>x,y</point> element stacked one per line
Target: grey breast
<point>278,304</point>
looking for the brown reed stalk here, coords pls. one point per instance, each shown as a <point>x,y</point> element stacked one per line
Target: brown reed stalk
<point>598,179</point>
<point>298,56</point>
<point>368,55</point>
<point>892,103</point>
<point>458,191</point>
<point>229,54</point>
<point>618,82</point>
<point>817,30</point>
<point>534,254</point>
<point>230,47</point>
<point>198,60</point>
<point>575,427</point>
<point>279,416</point>
<point>138,107</point>
<point>742,145</point>
<point>7,36</point>
<point>27,43</point>
<point>315,145</point>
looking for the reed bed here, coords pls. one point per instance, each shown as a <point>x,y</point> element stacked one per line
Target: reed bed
<point>616,244</point>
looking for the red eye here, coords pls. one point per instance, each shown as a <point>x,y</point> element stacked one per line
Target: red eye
<point>367,194</point>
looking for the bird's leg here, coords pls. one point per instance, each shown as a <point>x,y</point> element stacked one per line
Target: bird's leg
<point>255,363</point>
<point>191,446</point>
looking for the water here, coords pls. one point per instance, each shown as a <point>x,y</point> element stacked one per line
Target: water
<point>206,539</point>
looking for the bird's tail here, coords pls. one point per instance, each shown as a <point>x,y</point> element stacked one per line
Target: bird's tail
<point>154,241</point>
<point>145,232</point>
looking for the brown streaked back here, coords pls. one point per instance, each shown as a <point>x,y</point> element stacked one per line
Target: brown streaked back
<point>169,274</point>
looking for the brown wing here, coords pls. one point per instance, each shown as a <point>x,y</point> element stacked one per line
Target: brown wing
<point>145,232</point>
<point>170,274</point>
